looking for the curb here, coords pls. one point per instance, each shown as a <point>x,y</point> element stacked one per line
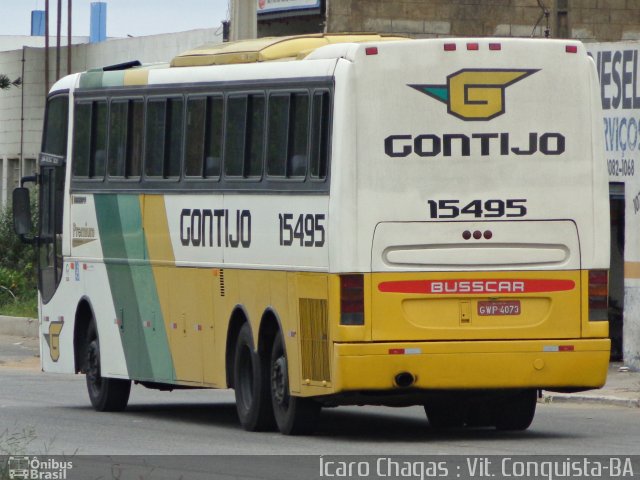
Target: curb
<point>590,399</point>
<point>19,326</point>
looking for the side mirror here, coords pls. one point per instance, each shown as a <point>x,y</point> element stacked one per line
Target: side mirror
<point>22,224</point>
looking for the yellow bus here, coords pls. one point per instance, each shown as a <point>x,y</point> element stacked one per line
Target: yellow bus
<point>329,220</point>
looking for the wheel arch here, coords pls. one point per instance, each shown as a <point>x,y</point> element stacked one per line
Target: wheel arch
<point>238,318</point>
<point>82,320</point>
<point>270,325</point>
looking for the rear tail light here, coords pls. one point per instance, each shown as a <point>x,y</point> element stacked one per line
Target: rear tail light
<point>351,300</point>
<point>598,295</point>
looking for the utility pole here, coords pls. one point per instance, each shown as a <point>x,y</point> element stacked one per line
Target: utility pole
<point>46,48</point>
<point>244,19</point>
<point>69,37</point>
<point>58,34</point>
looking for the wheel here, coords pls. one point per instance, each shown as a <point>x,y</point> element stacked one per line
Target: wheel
<point>480,412</point>
<point>106,394</point>
<point>251,384</point>
<point>294,415</point>
<point>445,413</point>
<point>516,412</point>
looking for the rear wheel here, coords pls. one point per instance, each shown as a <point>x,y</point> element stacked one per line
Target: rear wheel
<point>106,394</point>
<point>294,415</point>
<point>445,413</point>
<point>251,384</point>
<point>516,412</point>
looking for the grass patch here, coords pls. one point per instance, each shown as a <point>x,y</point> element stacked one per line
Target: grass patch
<point>20,308</point>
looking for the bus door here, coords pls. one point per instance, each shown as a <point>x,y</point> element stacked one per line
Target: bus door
<point>51,201</point>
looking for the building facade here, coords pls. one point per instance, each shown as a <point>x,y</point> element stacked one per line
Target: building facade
<point>22,109</point>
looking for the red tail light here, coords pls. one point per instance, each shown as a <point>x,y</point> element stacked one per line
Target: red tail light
<point>598,295</point>
<point>351,300</point>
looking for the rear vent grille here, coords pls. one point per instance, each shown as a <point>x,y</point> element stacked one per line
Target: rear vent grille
<point>221,278</point>
<point>314,339</point>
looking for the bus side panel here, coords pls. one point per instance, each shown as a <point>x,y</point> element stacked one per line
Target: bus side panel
<point>133,288</point>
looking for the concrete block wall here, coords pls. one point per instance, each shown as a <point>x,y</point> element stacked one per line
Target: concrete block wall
<point>587,20</point>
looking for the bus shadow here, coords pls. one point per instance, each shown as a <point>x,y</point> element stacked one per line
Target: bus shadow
<point>341,424</point>
<point>219,414</point>
<point>378,427</point>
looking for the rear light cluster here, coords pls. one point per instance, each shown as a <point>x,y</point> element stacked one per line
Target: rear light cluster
<point>351,299</point>
<point>598,295</point>
<point>474,46</point>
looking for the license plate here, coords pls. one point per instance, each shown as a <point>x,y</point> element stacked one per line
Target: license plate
<point>491,308</point>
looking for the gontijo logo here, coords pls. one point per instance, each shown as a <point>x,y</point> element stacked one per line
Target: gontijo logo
<point>475,94</point>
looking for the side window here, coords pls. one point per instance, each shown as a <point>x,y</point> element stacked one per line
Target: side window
<point>164,134</point>
<point>90,139</point>
<point>288,137</point>
<point>117,137</point>
<point>203,146</point>
<point>54,140</point>
<point>320,117</point>
<point>298,135</point>
<point>154,148</point>
<point>81,139</point>
<point>234,142</point>
<point>98,140</point>
<point>126,118</point>
<point>213,138</point>
<point>135,137</point>
<point>244,143</point>
<point>278,124</point>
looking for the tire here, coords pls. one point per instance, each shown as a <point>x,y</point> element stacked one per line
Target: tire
<point>444,414</point>
<point>106,394</point>
<point>516,412</point>
<point>294,415</point>
<point>251,385</point>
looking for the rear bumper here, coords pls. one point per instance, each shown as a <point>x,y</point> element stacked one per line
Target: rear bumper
<point>472,365</point>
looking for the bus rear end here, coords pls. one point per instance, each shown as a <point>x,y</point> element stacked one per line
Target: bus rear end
<point>475,217</point>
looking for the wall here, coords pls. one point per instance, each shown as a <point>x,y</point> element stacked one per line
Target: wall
<point>617,65</point>
<point>602,20</point>
<point>31,96</point>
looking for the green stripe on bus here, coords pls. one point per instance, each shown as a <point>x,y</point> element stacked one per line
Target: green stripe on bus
<point>113,79</point>
<point>91,80</point>
<point>155,335</point>
<point>133,289</point>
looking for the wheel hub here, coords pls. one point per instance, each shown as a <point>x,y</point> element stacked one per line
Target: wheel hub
<point>279,377</point>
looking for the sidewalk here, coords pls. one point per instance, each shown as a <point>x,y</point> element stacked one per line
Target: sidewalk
<point>622,389</point>
<point>19,348</point>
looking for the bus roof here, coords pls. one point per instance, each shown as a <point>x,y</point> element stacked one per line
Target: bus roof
<point>269,48</point>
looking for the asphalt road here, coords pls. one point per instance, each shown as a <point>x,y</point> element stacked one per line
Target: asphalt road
<point>49,414</point>
<point>204,422</point>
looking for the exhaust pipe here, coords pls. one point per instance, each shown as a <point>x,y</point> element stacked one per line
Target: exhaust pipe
<point>404,379</point>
